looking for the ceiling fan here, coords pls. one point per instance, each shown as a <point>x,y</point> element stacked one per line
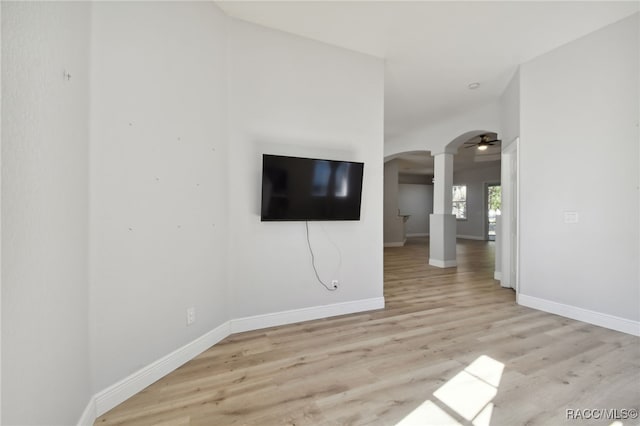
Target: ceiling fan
<point>484,143</point>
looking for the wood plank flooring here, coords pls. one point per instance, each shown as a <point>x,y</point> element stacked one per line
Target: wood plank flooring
<point>451,347</point>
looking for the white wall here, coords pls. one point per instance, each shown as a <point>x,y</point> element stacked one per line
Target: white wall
<point>510,111</point>
<point>45,357</point>
<point>416,200</point>
<point>506,227</point>
<point>393,226</point>
<point>474,226</point>
<point>159,188</point>
<point>579,153</point>
<point>294,96</point>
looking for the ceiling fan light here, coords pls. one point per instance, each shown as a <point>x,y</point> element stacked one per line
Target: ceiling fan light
<point>482,147</point>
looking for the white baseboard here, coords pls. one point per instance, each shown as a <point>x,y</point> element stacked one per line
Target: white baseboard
<point>395,244</point>
<point>443,263</point>
<point>497,275</point>
<point>119,392</point>
<point>418,234</point>
<point>470,237</point>
<point>580,314</point>
<point>305,314</point>
<point>89,415</point>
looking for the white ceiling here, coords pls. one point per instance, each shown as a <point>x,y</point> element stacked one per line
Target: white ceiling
<point>433,50</point>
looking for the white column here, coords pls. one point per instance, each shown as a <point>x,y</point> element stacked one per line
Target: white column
<point>442,227</point>
<point>443,183</point>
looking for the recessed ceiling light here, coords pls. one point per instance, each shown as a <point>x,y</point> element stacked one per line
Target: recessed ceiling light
<point>473,86</point>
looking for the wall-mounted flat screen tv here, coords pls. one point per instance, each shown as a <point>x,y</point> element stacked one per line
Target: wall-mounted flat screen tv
<point>310,189</point>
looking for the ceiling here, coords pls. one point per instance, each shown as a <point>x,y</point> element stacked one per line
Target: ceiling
<point>434,50</point>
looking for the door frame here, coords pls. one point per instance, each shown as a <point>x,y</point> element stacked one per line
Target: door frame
<point>510,224</point>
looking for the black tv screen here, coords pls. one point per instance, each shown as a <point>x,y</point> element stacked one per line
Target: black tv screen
<point>310,189</point>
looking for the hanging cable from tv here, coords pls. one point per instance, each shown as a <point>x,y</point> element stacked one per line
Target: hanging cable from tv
<point>313,263</point>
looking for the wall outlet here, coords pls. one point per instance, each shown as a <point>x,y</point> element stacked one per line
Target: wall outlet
<point>191,315</point>
<point>334,283</point>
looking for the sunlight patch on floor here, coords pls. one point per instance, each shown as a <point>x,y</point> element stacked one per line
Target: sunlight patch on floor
<point>484,417</point>
<point>468,394</point>
<point>487,369</point>
<point>428,413</point>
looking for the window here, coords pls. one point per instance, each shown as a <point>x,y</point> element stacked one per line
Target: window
<point>459,201</point>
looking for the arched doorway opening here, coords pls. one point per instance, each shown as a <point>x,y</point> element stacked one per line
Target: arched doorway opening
<point>452,156</point>
<point>462,169</point>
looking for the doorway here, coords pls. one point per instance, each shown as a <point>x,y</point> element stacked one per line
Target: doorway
<point>493,197</point>
<point>509,232</point>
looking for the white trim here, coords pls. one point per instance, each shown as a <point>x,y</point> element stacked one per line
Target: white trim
<point>510,213</point>
<point>257,322</point>
<point>443,263</point>
<point>418,234</point>
<point>497,275</point>
<point>518,232</point>
<point>580,314</point>
<point>88,416</point>
<point>396,244</point>
<point>470,237</point>
<point>1,239</point>
<point>119,392</point>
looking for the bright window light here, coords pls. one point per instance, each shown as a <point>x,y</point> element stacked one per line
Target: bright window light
<point>487,369</point>
<point>467,396</point>
<point>428,413</point>
<point>484,417</point>
<point>471,390</point>
<point>459,207</point>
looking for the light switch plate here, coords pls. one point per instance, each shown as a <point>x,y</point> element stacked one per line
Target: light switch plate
<point>570,217</point>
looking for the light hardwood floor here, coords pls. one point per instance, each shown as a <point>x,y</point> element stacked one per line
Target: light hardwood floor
<point>451,347</point>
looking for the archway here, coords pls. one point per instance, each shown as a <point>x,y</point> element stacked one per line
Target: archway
<point>443,222</point>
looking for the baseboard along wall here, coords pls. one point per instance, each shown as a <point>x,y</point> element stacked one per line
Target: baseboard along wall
<point>418,234</point>
<point>580,314</point>
<point>470,237</point>
<point>119,392</point>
